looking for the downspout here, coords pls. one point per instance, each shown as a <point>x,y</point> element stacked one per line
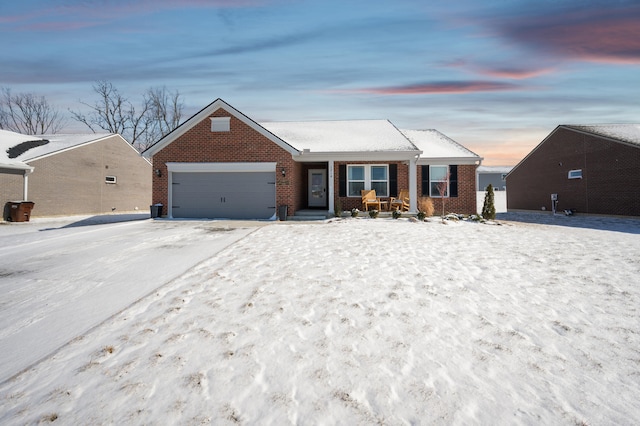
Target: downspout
<point>330,185</point>
<point>25,185</point>
<point>413,184</point>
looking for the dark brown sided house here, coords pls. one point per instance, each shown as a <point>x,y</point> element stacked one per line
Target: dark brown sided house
<point>588,169</point>
<point>222,164</point>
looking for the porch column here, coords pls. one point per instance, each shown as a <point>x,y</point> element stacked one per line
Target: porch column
<point>413,184</point>
<point>330,185</point>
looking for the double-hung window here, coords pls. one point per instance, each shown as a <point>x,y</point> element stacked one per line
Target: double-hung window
<point>367,176</point>
<point>439,181</point>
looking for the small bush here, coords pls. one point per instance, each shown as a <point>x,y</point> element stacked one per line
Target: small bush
<point>488,208</point>
<point>421,216</point>
<point>354,212</point>
<point>396,214</point>
<point>425,204</point>
<point>373,214</point>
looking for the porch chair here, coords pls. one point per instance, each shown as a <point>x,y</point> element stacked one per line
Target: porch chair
<point>401,202</point>
<point>369,199</point>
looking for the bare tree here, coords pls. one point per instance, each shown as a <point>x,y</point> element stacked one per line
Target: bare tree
<point>159,113</point>
<point>113,112</point>
<point>163,115</point>
<point>28,114</point>
<point>443,190</point>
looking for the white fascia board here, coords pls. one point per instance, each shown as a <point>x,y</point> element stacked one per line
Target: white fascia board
<point>445,161</point>
<point>206,112</point>
<point>20,167</point>
<point>221,167</point>
<point>306,156</point>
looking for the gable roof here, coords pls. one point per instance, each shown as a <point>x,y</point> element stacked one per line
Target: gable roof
<point>628,134</point>
<point>342,136</point>
<point>59,143</point>
<point>206,112</point>
<point>438,148</point>
<point>8,162</point>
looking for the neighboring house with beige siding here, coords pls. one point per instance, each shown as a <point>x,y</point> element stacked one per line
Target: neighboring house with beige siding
<point>78,174</point>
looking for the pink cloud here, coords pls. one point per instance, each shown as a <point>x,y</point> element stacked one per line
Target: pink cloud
<point>454,87</point>
<point>515,74</point>
<point>596,34</point>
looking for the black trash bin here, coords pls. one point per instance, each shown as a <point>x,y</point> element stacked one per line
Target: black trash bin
<point>156,210</point>
<point>282,212</point>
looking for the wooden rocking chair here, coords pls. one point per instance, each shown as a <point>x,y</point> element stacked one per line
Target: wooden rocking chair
<point>401,202</point>
<point>369,199</point>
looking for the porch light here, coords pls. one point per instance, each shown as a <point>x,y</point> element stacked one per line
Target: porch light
<point>158,172</point>
<point>284,173</point>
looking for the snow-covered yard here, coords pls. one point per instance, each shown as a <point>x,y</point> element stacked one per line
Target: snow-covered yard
<point>362,321</point>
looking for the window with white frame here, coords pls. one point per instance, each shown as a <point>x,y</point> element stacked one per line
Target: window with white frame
<point>438,178</point>
<point>575,174</point>
<point>368,176</point>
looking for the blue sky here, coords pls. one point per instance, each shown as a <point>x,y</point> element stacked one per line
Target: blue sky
<point>497,76</point>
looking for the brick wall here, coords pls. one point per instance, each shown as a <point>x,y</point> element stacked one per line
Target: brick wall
<point>73,182</point>
<point>610,181</point>
<point>465,202</point>
<point>240,144</point>
<point>349,203</point>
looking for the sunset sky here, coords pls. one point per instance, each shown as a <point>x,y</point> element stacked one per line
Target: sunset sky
<point>496,76</point>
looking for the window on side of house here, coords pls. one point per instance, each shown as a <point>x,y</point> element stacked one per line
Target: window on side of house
<point>110,179</point>
<point>220,124</point>
<point>368,176</point>
<point>575,174</point>
<point>438,177</point>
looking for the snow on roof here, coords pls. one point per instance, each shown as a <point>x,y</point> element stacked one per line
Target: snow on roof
<point>59,142</point>
<point>434,144</point>
<point>341,136</point>
<point>9,140</point>
<point>629,133</point>
<point>494,169</point>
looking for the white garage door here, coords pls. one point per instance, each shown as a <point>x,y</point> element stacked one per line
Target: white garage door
<point>224,195</point>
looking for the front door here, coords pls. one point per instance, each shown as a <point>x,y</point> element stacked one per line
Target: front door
<point>317,188</point>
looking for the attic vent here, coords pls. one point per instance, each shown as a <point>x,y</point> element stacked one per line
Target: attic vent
<point>220,124</point>
<point>21,148</point>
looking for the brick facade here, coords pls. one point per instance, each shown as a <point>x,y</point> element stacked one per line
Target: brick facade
<point>241,144</point>
<point>610,181</point>
<point>349,203</point>
<point>244,142</point>
<point>465,202</point>
<point>72,182</point>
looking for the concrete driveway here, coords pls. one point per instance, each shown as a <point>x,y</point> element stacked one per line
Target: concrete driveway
<point>61,277</point>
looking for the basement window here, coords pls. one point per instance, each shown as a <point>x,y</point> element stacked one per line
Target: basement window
<point>220,124</point>
<point>110,179</point>
<point>575,174</point>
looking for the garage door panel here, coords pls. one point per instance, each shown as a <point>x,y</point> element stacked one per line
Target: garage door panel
<point>234,195</point>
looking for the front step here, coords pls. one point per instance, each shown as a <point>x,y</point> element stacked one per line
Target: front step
<point>309,215</point>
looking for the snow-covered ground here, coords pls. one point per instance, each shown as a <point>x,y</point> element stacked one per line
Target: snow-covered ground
<point>362,321</point>
<point>60,277</point>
